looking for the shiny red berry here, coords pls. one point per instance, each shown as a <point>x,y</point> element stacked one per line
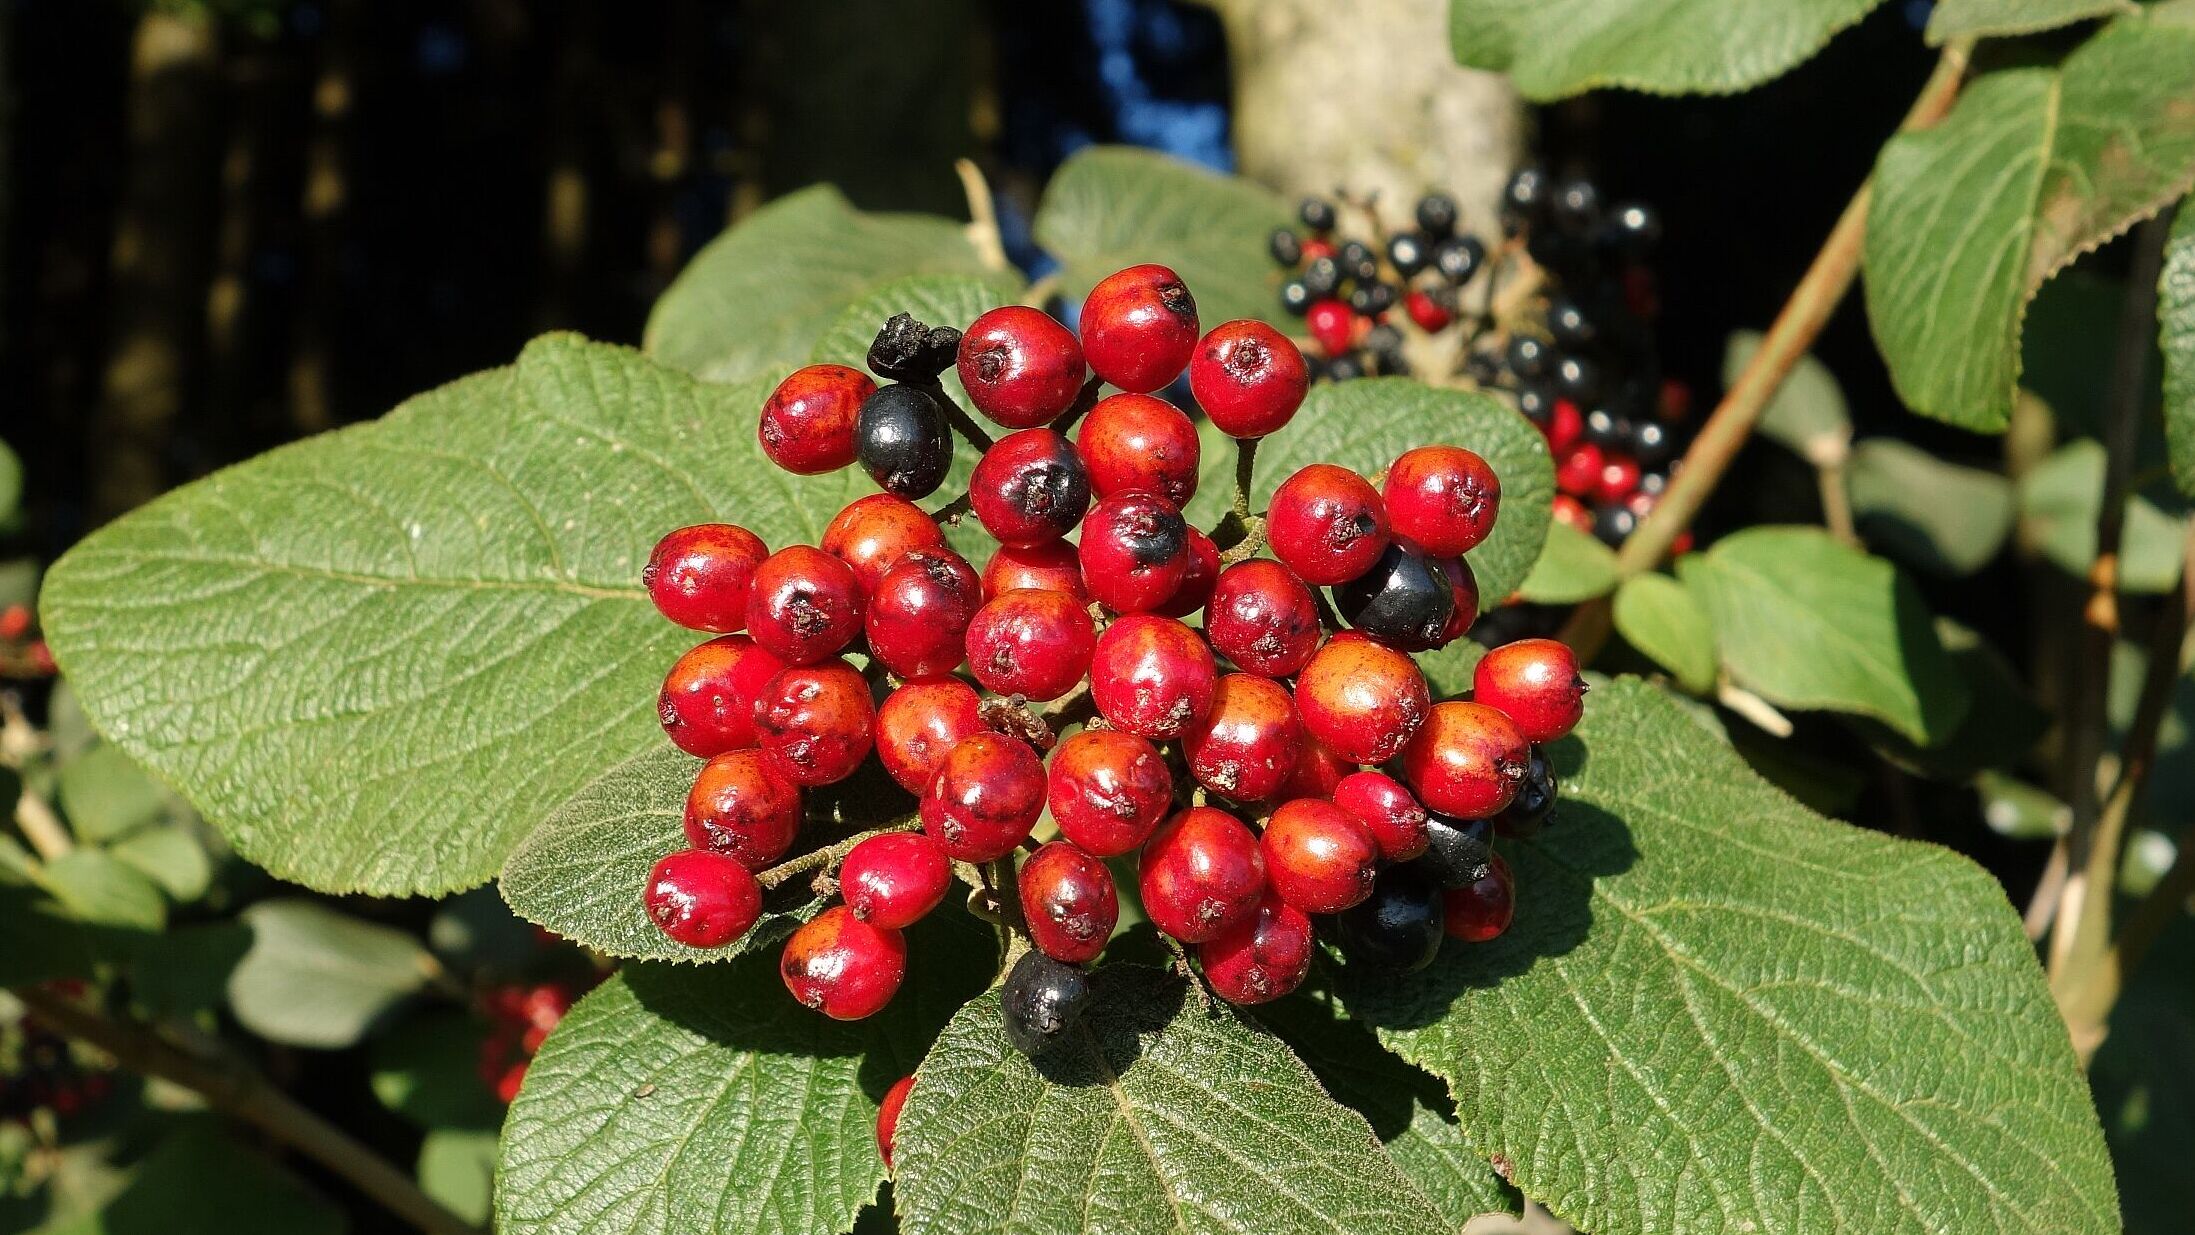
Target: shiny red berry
<point>1573,512</point>
<point>1318,857</point>
<point>702,899</point>
<point>1442,498</point>
<point>1198,581</point>
<point>1265,957</point>
<point>1619,478</point>
<point>1536,682</point>
<point>919,722</point>
<point>1431,315</point>
<point>1464,587</point>
<point>707,704</point>
<point>1201,874</point>
<point>887,1117</point>
<point>1481,910</point>
<point>1019,366</point>
<point>1050,567</point>
<point>807,424</point>
<point>1332,325</point>
<point>1247,744</point>
<point>1068,902</point>
<point>1362,699</point>
<point>872,533</point>
<point>698,575</point>
<point>918,614</point>
<point>1152,676</point>
<point>1263,618</point>
<point>1031,643</point>
<point>1466,760</point>
<point>1318,769</point>
<point>1326,524</point>
<point>816,722</point>
<point>1134,551</point>
<point>1249,378</point>
<point>894,879</point>
<point>804,605</point>
<point>986,796</point>
<point>1396,819</point>
<point>1108,790</point>
<point>1139,327</point>
<point>744,808</point>
<point>1134,442</point>
<point>1029,488</point>
<point>1578,470</point>
<point>1565,425</point>
<point>843,967</point>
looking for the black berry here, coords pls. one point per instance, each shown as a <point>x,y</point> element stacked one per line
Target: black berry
<point>1042,1000</point>
<point>1398,926</point>
<point>1458,258</point>
<point>1295,297</point>
<point>1529,356</point>
<point>903,441</point>
<point>1317,214</point>
<point>1322,276</point>
<point>905,350</point>
<point>1535,800</point>
<point>1285,246</point>
<point>1437,214</point>
<point>1409,253</point>
<point>1403,601</point>
<point>1459,849</point>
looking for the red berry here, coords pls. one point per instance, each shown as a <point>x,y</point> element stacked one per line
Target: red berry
<point>1263,618</point>
<point>986,796</point>
<point>872,533</point>
<point>1317,247</point>
<point>15,620</point>
<point>1534,681</point>
<point>1578,469</point>
<point>1134,552</point>
<point>1201,875</point>
<point>1362,699</point>
<point>807,423</point>
<point>1263,958</point>
<point>702,899</point>
<point>742,807</point>
<point>1318,769</point>
<point>697,576</point>
<point>1327,524</point>
<point>1152,676</point>
<point>1675,401</point>
<point>1197,583</point>
<point>804,605</point>
<point>1396,820</point>
<point>1332,325</point>
<point>1247,744</point>
<point>1068,902</point>
<point>887,1116</point>
<point>1442,498</point>
<point>707,704</point>
<point>1248,378</point>
<point>1318,857</point>
<point>1108,790</point>
<point>1029,488</point>
<point>1573,512</point>
<point>816,722</point>
<point>1481,910</point>
<point>1050,567</point>
<point>1618,480</point>
<point>1466,760</point>
<point>1136,442</point>
<point>918,615</point>
<point>843,967</point>
<point>921,721</point>
<point>1031,643</point>
<point>894,879</point>
<point>507,1085</point>
<point>1020,367</point>
<point>1565,425</point>
<point>1430,315</point>
<point>1465,587</point>
<point>1139,326</point>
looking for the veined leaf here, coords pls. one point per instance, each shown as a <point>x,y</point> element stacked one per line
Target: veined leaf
<point>1807,413</point>
<point>2061,496</point>
<point>1937,516</point>
<point>2176,338</point>
<point>1952,19</point>
<point>1555,48</point>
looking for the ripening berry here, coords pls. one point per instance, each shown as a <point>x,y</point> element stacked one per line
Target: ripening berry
<point>1134,552</point>
<point>1397,927</point>
<point>1249,378</point>
<point>707,704</point>
<point>1139,327</point>
<point>816,722</point>
<point>904,441</point>
<point>1050,567</point>
<point>1247,744</point>
<point>1265,957</point>
<point>698,575</point>
<point>1565,425</point>
<point>1442,498</point>
<point>918,614</point>
<point>807,424</point>
<point>919,722</point>
<point>1201,874</point>
<point>1396,819</point>
<point>1619,478</point>
<point>894,879</point>
<point>1481,910</point>
<point>1152,676</point>
<point>1463,588</point>
<point>1041,1000</point>
<point>887,1117</point>
<point>1326,524</point>
<point>1068,902</point>
<point>1536,682</point>
<point>985,798</point>
<point>1362,699</point>
<point>1318,769</point>
<point>1530,810</point>
<point>804,605</point>
<point>702,899</point>
<point>872,533</point>
<point>1108,790</point>
<point>842,966</point>
<point>1029,488</point>
<point>1031,643</point>
<point>1019,366</point>
<point>1466,760</point>
<point>742,807</point>
<point>1198,581</point>
<point>1318,857</point>
<point>1133,442</point>
<point>1263,618</point>
<point>1404,600</point>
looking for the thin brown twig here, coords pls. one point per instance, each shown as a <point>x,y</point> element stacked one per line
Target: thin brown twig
<point>829,855</point>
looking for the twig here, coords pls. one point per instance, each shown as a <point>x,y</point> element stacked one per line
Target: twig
<point>2164,904</point>
<point>1253,539</point>
<point>41,827</point>
<point>2042,905</point>
<point>1086,399</point>
<point>1836,500</point>
<point>982,216</point>
<point>1246,453</point>
<point>829,855</point>
<point>962,423</point>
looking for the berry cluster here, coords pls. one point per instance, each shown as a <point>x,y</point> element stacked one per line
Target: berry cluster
<point>520,1017</point>
<point>22,653</point>
<point>1180,737</point>
<point>1344,288</point>
<point>41,1072</point>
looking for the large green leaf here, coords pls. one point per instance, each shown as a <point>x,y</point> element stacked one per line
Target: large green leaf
<point>101,889</point>
<point>1155,1115</point>
<point>107,796</point>
<point>1114,206</point>
<point>377,658</point>
<point>1807,622</point>
<point>1952,19</point>
<point>761,294</point>
<point>1936,516</point>
<point>1717,1011</point>
<point>1554,48</point>
<point>457,1168</point>
<point>315,976</point>
<point>2035,166</point>
<point>2060,498</point>
<point>2176,338</point>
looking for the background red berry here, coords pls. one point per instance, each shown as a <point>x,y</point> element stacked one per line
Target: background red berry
<point>1394,816</point>
<point>1318,857</point>
<point>1466,760</point>
<point>1263,618</point>
<point>917,617</point>
<point>1052,567</point>
<point>887,1117</point>
<point>872,533</point>
<point>1482,909</point>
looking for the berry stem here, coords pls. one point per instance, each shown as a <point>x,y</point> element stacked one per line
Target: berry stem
<point>1253,539</point>
<point>1246,453</point>
<point>951,513</point>
<point>962,423</point>
<point>829,855</point>
<point>1084,401</point>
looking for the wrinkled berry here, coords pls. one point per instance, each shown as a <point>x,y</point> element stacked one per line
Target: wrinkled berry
<point>1108,790</point>
<point>1068,902</point>
<point>843,967</point>
<point>702,899</point>
<point>698,575</point>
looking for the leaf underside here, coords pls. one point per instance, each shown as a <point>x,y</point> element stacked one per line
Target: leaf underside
<point>1555,48</point>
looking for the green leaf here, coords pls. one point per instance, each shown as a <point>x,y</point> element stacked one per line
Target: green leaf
<point>1659,617</point>
<point>476,933</point>
<point>1937,516</point>
<point>377,658</point>
<point>1869,647</point>
<point>185,971</point>
<point>317,977</point>
<point>2061,496</point>
<point>761,294</point>
<point>2019,811</point>
<point>1952,19</point>
<point>2002,722</point>
<point>426,1069</point>
<point>457,1168</point>
<point>11,482</point>
<point>1572,566</point>
<point>200,1182</point>
<point>2035,165</point>
<point>107,795</point>
<point>1716,1010</point>
<point>101,889</point>
<point>1448,670</point>
<point>2176,338</point>
<point>171,857</point>
<point>1554,48</point>
<point>44,940</point>
<point>1110,207</point>
<point>1807,413</point>
<point>1154,1115</point>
